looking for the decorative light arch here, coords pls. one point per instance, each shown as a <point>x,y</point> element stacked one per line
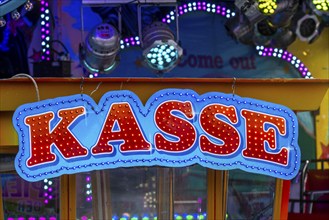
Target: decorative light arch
<point>202,6</point>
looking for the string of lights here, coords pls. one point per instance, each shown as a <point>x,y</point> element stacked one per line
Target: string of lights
<point>45,30</point>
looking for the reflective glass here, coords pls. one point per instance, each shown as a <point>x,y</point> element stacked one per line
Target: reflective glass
<point>250,196</point>
<point>190,193</point>
<point>24,200</point>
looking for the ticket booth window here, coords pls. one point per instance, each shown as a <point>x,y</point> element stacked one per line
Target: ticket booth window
<point>250,196</point>
<point>147,193</point>
<point>28,200</point>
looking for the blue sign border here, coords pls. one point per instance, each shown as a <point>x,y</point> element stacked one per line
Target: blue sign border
<point>88,128</point>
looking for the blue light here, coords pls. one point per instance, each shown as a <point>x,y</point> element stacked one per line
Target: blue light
<point>162,57</point>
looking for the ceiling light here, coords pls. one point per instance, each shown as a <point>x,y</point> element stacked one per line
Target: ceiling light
<point>308,28</point>
<point>160,51</point>
<point>99,53</point>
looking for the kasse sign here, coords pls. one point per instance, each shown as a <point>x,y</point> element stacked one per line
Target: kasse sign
<point>175,128</point>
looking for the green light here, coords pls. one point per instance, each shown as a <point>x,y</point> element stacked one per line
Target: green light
<point>189,217</point>
<point>200,217</point>
<point>178,217</point>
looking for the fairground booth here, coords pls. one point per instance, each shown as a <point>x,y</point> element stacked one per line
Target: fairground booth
<point>164,110</point>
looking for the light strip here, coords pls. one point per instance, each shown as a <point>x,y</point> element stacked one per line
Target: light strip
<point>45,30</point>
<point>286,56</point>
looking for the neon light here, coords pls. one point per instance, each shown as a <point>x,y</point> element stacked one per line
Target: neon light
<point>45,30</point>
<point>175,128</point>
<point>286,56</point>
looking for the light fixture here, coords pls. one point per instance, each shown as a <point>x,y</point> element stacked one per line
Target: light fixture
<point>240,29</point>
<point>308,28</point>
<point>15,15</point>
<point>249,8</point>
<point>45,30</point>
<point>160,51</point>
<point>28,6</point>
<point>320,7</point>
<point>10,6</point>
<point>267,7</point>
<point>98,54</point>
<point>2,22</point>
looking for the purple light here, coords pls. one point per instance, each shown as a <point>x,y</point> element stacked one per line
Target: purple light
<point>10,218</point>
<point>42,218</point>
<point>20,218</point>
<point>45,29</point>
<point>52,218</point>
<point>45,194</point>
<point>46,201</point>
<point>50,189</point>
<point>31,218</point>
<point>284,55</point>
<point>88,178</point>
<point>84,218</point>
<point>50,197</point>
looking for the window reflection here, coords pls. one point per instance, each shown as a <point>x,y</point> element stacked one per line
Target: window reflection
<point>250,196</point>
<point>29,200</point>
<point>140,193</point>
<point>190,192</point>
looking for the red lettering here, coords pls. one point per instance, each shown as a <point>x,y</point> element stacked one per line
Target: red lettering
<point>121,125</point>
<point>61,136</point>
<point>180,128</point>
<point>256,136</point>
<point>219,129</point>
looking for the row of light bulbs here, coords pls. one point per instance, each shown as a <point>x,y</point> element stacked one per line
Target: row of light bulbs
<point>15,15</point>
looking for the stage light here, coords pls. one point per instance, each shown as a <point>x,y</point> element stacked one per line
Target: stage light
<point>320,7</point>
<point>2,22</point>
<point>160,51</point>
<point>99,53</point>
<point>267,7</point>
<point>308,28</point>
<point>15,15</point>
<point>283,38</point>
<point>28,6</point>
<point>240,29</point>
<point>249,8</point>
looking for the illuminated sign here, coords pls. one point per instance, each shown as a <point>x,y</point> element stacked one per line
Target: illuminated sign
<point>175,128</point>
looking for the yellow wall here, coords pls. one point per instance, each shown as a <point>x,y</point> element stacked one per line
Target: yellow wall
<point>316,57</point>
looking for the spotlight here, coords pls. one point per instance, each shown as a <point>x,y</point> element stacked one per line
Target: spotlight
<point>28,6</point>
<point>15,15</point>
<point>284,13</point>
<point>267,7</point>
<point>308,28</point>
<point>249,8</point>
<point>240,29</point>
<point>99,53</point>
<point>2,22</point>
<point>160,50</point>
<point>320,7</point>
<point>283,38</point>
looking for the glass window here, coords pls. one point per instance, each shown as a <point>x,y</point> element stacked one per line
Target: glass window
<point>24,200</point>
<point>250,196</point>
<point>190,193</point>
<point>140,193</point>
<point>132,193</point>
